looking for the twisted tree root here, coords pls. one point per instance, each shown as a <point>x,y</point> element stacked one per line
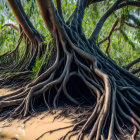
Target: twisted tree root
<point>108,96</point>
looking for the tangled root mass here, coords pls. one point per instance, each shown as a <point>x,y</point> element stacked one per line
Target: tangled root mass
<point>82,76</point>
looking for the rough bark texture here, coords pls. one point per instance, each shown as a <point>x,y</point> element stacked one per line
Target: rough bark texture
<point>81,75</point>
<point>21,65</point>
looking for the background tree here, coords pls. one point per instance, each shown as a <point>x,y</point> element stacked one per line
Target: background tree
<point>14,61</point>
<point>112,92</point>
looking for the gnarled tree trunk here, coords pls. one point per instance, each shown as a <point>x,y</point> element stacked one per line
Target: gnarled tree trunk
<point>82,75</point>
<point>11,62</point>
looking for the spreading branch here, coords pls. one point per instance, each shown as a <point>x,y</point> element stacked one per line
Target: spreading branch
<point>108,37</point>
<point>117,5</point>
<point>130,25</point>
<point>24,21</point>
<point>46,15</point>
<point>71,16</point>
<point>99,25</point>
<point>21,19</point>
<point>11,25</point>
<point>50,17</point>
<point>128,66</point>
<point>74,13</point>
<point>134,71</point>
<point>78,15</point>
<point>128,3</point>
<point>59,8</point>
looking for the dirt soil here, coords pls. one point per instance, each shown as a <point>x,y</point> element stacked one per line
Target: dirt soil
<point>34,127</point>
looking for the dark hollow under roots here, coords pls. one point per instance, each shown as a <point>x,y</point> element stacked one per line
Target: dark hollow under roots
<point>79,78</point>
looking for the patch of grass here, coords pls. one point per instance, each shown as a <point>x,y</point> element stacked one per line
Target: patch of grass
<point>36,67</point>
<point>39,61</point>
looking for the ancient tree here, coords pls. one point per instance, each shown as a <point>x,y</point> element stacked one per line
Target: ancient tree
<point>81,75</point>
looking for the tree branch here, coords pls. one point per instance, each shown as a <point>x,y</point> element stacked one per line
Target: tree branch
<point>99,25</point>
<point>38,36</point>
<point>71,16</point>
<point>117,5</point>
<point>21,19</point>
<point>126,38</point>
<point>50,16</point>
<point>112,30</point>
<point>11,25</point>
<point>44,6</point>
<point>128,3</point>
<point>134,71</point>
<point>108,37</point>
<point>89,2</point>
<point>78,16</point>
<point>102,41</point>
<point>128,66</point>
<point>59,8</point>
<point>130,25</point>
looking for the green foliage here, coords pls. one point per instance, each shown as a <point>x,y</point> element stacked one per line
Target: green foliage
<point>8,39</point>
<point>39,61</point>
<point>8,35</point>
<point>36,67</point>
<point>123,49</point>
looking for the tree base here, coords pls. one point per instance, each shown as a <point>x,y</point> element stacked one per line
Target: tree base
<point>82,75</point>
<point>111,101</point>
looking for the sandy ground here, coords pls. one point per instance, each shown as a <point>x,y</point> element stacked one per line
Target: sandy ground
<point>34,127</point>
<point>4,91</point>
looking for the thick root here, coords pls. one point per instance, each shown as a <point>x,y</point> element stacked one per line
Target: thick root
<point>103,92</point>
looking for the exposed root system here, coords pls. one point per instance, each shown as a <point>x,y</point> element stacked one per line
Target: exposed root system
<point>115,100</point>
<point>81,76</point>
